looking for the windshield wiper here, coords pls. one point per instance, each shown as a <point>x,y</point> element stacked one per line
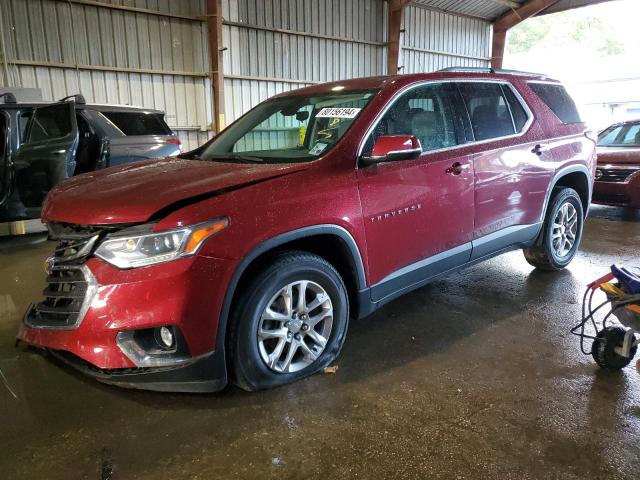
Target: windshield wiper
<point>237,157</point>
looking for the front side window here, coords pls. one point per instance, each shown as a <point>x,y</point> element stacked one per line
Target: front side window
<point>489,110</point>
<point>289,129</point>
<point>428,112</point>
<point>627,135</point>
<point>49,123</point>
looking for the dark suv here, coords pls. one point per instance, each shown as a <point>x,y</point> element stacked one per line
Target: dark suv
<point>44,143</point>
<point>317,206</point>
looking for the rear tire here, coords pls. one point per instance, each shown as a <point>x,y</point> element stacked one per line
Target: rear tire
<point>561,232</point>
<point>277,335</point>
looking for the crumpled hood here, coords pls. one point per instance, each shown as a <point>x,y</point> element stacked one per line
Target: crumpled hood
<point>618,155</point>
<point>135,192</point>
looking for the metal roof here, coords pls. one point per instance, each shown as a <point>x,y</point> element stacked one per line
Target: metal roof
<point>484,9</point>
<point>492,9</point>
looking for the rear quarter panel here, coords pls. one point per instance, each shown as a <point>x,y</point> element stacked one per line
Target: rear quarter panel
<point>567,142</point>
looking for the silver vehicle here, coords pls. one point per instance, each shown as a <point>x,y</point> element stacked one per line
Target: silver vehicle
<point>41,144</point>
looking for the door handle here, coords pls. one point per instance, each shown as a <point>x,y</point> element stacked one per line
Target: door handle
<point>457,168</point>
<point>538,149</point>
<point>59,152</point>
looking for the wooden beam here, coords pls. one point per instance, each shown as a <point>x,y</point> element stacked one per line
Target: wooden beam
<point>507,3</point>
<point>214,22</point>
<point>514,17</point>
<point>497,49</point>
<point>396,8</point>
<point>510,20</point>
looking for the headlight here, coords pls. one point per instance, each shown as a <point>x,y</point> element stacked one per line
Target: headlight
<point>130,250</point>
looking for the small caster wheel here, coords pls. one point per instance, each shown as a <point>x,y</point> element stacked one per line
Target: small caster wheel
<point>604,345</point>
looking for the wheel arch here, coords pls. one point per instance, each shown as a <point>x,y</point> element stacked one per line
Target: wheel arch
<point>576,177</point>
<point>332,242</point>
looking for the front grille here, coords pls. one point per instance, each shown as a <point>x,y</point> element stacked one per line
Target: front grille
<point>618,175</point>
<point>70,285</point>
<point>69,292</point>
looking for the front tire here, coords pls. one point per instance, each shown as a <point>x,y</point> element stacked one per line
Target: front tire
<point>561,232</point>
<point>290,322</point>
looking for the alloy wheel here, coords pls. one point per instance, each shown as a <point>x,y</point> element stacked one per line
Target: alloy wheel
<point>564,229</point>
<point>295,326</point>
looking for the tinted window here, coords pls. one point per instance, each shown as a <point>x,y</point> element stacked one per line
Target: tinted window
<point>138,123</point>
<point>518,112</point>
<point>23,121</point>
<point>488,110</point>
<point>50,123</point>
<point>427,112</point>
<point>558,100</point>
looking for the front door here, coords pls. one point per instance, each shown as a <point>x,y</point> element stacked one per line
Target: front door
<point>418,213</point>
<point>47,155</point>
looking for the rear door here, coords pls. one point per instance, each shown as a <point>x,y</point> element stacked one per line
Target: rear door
<point>47,155</point>
<point>512,164</point>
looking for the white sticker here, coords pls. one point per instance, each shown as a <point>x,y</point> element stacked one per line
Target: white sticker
<point>338,112</point>
<point>318,148</point>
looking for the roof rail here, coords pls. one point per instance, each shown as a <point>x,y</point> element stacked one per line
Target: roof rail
<point>491,70</point>
<point>8,97</point>
<point>78,98</point>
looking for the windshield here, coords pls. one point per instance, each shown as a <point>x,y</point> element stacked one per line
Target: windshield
<point>289,129</point>
<point>627,135</point>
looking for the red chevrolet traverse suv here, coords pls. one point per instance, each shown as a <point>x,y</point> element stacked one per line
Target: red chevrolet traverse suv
<point>316,206</point>
<point>617,178</point>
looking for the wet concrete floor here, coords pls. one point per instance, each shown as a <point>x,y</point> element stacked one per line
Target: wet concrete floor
<point>475,376</point>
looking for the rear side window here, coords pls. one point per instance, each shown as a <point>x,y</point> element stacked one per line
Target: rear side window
<point>488,109</point>
<point>558,100</point>
<point>49,123</point>
<point>138,123</point>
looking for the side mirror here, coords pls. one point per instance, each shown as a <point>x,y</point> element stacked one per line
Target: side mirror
<point>392,148</point>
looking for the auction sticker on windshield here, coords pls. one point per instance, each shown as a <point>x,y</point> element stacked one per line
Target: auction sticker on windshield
<point>338,112</point>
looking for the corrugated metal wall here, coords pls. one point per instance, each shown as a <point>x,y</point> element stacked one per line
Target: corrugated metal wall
<point>434,40</point>
<point>63,35</point>
<point>280,45</point>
